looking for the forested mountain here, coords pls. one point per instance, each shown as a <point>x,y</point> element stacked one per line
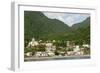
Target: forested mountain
<point>37,25</point>
<point>83,24</point>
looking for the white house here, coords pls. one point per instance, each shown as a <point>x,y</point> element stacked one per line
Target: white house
<point>33,43</point>
<point>43,54</point>
<point>49,47</point>
<point>49,44</point>
<point>86,45</point>
<point>53,48</point>
<point>76,49</point>
<point>51,54</point>
<point>28,54</point>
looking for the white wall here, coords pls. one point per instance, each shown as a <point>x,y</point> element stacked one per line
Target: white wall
<point>5,31</point>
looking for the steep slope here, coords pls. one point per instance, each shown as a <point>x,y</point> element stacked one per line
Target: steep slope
<point>83,24</point>
<point>39,26</point>
<point>82,31</point>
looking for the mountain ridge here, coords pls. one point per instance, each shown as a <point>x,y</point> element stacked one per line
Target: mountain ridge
<point>39,26</point>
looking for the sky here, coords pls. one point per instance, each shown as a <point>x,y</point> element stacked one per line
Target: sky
<point>67,18</point>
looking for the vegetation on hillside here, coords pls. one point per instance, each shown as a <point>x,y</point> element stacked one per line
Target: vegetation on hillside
<point>37,25</point>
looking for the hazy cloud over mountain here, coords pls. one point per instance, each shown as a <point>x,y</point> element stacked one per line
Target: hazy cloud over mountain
<point>67,18</point>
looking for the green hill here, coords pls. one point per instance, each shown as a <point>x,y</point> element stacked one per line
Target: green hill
<point>81,32</point>
<point>37,25</point>
<point>40,27</point>
<point>83,24</point>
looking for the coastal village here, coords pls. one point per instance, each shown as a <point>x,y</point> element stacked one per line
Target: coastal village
<point>55,48</point>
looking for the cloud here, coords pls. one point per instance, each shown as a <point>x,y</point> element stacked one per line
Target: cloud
<point>67,18</point>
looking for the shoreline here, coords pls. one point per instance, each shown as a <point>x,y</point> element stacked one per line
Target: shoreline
<point>56,58</point>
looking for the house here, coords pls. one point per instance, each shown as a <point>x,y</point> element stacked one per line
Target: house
<point>41,54</point>
<point>61,53</point>
<point>49,44</point>
<point>40,41</point>
<point>28,54</point>
<point>70,53</point>
<point>33,43</point>
<point>79,53</point>
<point>44,54</point>
<point>70,44</point>
<point>51,53</point>
<point>29,44</point>
<point>37,54</point>
<point>76,49</point>
<point>86,45</point>
<point>53,48</point>
<point>49,47</point>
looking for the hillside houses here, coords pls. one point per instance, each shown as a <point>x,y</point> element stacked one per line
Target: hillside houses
<point>50,49</point>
